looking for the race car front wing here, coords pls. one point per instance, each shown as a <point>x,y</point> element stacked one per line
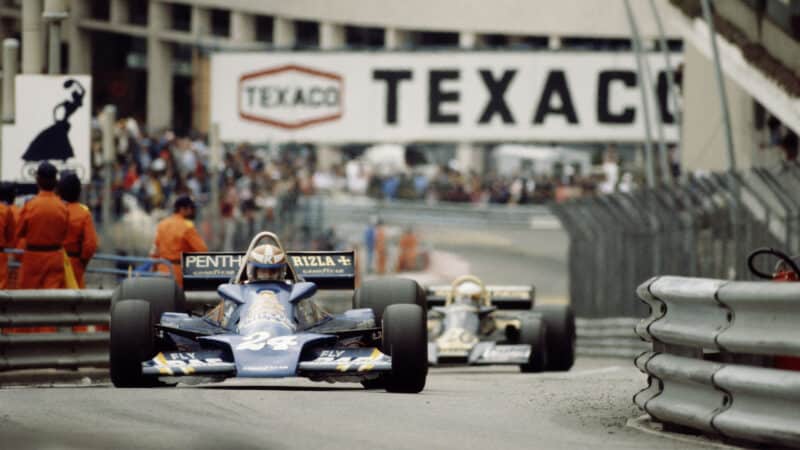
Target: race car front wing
<point>482,353</point>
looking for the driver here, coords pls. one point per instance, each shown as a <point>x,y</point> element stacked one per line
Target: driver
<point>468,293</point>
<point>266,263</point>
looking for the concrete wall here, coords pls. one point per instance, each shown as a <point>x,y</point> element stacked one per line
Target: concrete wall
<point>703,129</point>
<point>598,18</point>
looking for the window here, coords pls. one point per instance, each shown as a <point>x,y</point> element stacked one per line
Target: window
<point>596,44</point>
<point>100,10</point>
<point>364,37</point>
<point>137,12</point>
<point>181,17</point>
<point>436,39</point>
<point>220,22</point>
<point>307,34</point>
<point>264,28</point>
<point>495,40</point>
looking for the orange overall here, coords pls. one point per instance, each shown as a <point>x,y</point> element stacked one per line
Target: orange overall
<point>176,235</point>
<point>43,225</point>
<point>407,259</point>
<point>380,250</point>
<point>7,231</point>
<point>81,241</point>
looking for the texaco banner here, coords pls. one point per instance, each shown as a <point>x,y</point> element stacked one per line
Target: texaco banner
<point>435,96</point>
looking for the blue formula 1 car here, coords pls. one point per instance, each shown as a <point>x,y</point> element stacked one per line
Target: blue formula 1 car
<point>269,329</point>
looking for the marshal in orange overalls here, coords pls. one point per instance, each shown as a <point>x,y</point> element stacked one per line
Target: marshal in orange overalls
<point>81,241</point>
<point>43,225</point>
<point>176,235</point>
<point>7,233</point>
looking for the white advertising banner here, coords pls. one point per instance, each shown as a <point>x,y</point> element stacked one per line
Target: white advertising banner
<point>340,97</point>
<point>52,123</point>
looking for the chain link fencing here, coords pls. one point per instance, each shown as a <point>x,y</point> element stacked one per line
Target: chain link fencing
<point>705,226</point>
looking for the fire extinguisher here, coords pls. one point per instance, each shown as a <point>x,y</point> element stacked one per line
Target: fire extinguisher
<point>786,270</point>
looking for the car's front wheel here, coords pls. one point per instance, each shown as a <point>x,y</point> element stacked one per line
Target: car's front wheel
<point>533,332</point>
<point>405,340</point>
<point>132,341</point>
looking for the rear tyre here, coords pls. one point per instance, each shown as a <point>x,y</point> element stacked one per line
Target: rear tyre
<point>533,332</point>
<point>163,294</point>
<point>379,294</point>
<point>560,323</point>
<point>405,340</point>
<point>132,341</point>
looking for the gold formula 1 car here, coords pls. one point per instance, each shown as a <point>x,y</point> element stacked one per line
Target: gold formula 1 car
<point>475,324</point>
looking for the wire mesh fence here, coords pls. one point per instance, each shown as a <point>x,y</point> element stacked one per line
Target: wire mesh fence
<point>703,227</point>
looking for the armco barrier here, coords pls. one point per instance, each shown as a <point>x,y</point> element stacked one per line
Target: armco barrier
<point>613,337</point>
<point>68,309</point>
<point>712,365</point>
<point>61,307</point>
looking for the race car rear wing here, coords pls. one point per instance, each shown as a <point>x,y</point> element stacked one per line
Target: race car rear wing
<point>503,296</point>
<point>328,270</point>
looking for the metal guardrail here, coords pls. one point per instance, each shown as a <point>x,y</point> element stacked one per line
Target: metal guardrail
<point>105,269</point>
<point>611,337</point>
<point>338,209</point>
<point>62,308</point>
<point>66,349</point>
<point>712,364</point>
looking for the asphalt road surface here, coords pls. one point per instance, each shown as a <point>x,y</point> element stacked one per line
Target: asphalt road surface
<point>461,408</point>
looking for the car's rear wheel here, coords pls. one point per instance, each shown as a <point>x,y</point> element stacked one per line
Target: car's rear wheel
<point>163,295</point>
<point>132,341</point>
<point>533,332</point>
<point>379,294</point>
<point>560,323</point>
<point>404,339</point>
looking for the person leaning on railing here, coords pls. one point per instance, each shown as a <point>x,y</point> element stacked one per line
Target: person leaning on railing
<point>43,225</point>
<point>175,235</point>
<point>81,241</point>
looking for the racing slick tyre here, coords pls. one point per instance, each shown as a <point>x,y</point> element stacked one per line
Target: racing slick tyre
<point>132,341</point>
<point>378,294</point>
<point>163,294</point>
<point>533,331</point>
<point>405,340</point>
<point>560,323</point>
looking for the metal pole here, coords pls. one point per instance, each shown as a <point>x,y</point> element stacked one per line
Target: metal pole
<point>648,143</point>
<point>723,103</point>
<point>109,118</point>
<point>54,12</point>
<point>216,160</point>
<point>666,174</point>
<point>10,69</point>
<point>32,45</point>
<point>54,52</point>
<point>723,97</point>
<point>672,90</point>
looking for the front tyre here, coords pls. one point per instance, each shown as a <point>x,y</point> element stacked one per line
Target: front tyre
<point>132,341</point>
<point>560,323</point>
<point>404,339</point>
<point>533,332</point>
